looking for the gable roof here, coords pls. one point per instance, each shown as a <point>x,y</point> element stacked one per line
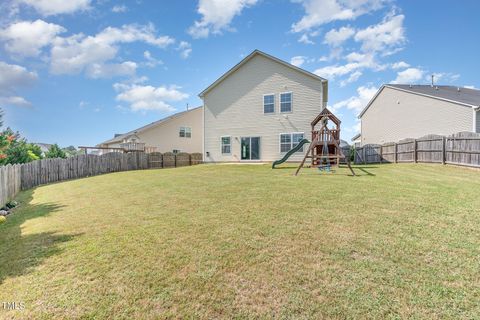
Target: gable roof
<point>248,58</point>
<point>327,113</point>
<point>463,96</point>
<point>120,137</point>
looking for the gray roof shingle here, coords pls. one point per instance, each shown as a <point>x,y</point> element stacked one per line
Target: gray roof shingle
<point>457,94</point>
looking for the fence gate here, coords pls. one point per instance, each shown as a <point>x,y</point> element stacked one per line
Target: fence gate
<point>155,160</point>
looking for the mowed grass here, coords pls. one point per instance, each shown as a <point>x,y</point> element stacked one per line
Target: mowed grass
<point>245,241</point>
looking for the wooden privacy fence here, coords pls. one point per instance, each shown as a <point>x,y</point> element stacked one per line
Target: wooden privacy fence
<point>25,176</point>
<point>10,183</point>
<point>461,148</point>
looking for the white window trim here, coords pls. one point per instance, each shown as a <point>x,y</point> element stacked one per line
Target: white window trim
<point>185,132</point>
<point>280,102</point>
<point>221,145</point>
<point>280,140</point>
<point>274,104</point>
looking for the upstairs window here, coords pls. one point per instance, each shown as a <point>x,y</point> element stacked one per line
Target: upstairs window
<point>289,141</point>
<point>269,103</point>
<point>226,145</point>
<point>286,102</point>
<point>185,132</point>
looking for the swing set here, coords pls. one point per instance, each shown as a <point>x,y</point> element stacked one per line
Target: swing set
<point>324,150</point>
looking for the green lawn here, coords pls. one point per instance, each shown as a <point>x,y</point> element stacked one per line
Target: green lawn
<point>232,241</point>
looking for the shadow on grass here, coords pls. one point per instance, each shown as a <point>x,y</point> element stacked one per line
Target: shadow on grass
<point>19,254</point>
<point>365,171</point>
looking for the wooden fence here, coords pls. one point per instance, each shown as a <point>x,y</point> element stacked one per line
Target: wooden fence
<point>10,183</point>
<point>461,148</point>
<point>25,176</point>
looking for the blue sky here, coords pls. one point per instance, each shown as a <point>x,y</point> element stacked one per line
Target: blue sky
<point>76,72</point>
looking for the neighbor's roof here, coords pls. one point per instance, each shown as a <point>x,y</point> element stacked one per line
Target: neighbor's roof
<point>464,96</point>
<point>248,58</point>
<point>148,126</point>
<point>355,137</point>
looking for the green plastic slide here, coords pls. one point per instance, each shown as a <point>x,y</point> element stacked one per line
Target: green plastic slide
<point>289,153</point>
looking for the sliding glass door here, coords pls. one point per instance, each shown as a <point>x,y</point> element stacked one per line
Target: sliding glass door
<point>250,148</point>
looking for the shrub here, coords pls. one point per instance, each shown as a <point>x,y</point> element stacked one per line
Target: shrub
<point>55,152</point>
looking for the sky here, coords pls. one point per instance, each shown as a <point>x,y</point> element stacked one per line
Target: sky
<point>76,72</point>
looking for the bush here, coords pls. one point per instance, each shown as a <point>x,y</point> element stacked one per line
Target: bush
<point>2,219</point>
<point>55,152</point>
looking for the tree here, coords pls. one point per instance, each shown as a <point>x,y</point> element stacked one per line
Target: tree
<point>14,149</point>
<point>55,152</point>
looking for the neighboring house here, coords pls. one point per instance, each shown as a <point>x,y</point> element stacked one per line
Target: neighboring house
<point>411,111</point>
<point>357,140</point>
<point>181,132</point>
<point>44,147</point>
<point>260,109</point>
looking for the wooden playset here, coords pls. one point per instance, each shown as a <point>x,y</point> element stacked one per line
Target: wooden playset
<point>324,150</point>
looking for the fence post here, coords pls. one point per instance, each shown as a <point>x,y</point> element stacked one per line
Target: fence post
<point>395,152</point>
<point>444,150</point>
<point>415,150</point>
<point>363,155</point>
<point>381,153</point>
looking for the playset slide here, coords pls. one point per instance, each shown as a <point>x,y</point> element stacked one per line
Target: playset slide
<point>289,153</point>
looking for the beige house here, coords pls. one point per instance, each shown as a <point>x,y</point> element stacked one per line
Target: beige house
<point>181,132</point>
<point>399,111</point>
<point>260,109</point>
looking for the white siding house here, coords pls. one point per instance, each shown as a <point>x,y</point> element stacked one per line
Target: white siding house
<point>397,112</point>
<point>260,109</point>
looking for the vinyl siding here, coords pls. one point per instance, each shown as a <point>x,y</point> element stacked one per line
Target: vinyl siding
<point>235,108</point>
<point>396,115</point>
<point>478,121</point>
<point>165,136</point>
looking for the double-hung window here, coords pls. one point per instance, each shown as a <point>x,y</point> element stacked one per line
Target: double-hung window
<point>185,132</point>
<point>286,102</point>
<point>226,145</point>
<point>289,141</point>
<point>269,103</point>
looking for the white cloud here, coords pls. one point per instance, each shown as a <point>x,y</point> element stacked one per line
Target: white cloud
<point>298,60</point>
<point>385,36</point>
<point>110,70</point>
<point>79,52</point>
<point>14,101</point>
<point>146,98</point>
<point>400,65</point>
<point>27,38</point>
<point>305,39</point>
<point>356,62</point>
<point>13,77</point>
<point>443,76</point>
<point>319,12</point>
<point>409,76</point>
<point>217,16</point>
<point>352,78</point>
<point>54,7</point>
<point>337,37</point>
<point>185,49</point>
<point>151,61</point>
<point>358,102</point>
<point>331,72</point>
<point>119,9</point>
